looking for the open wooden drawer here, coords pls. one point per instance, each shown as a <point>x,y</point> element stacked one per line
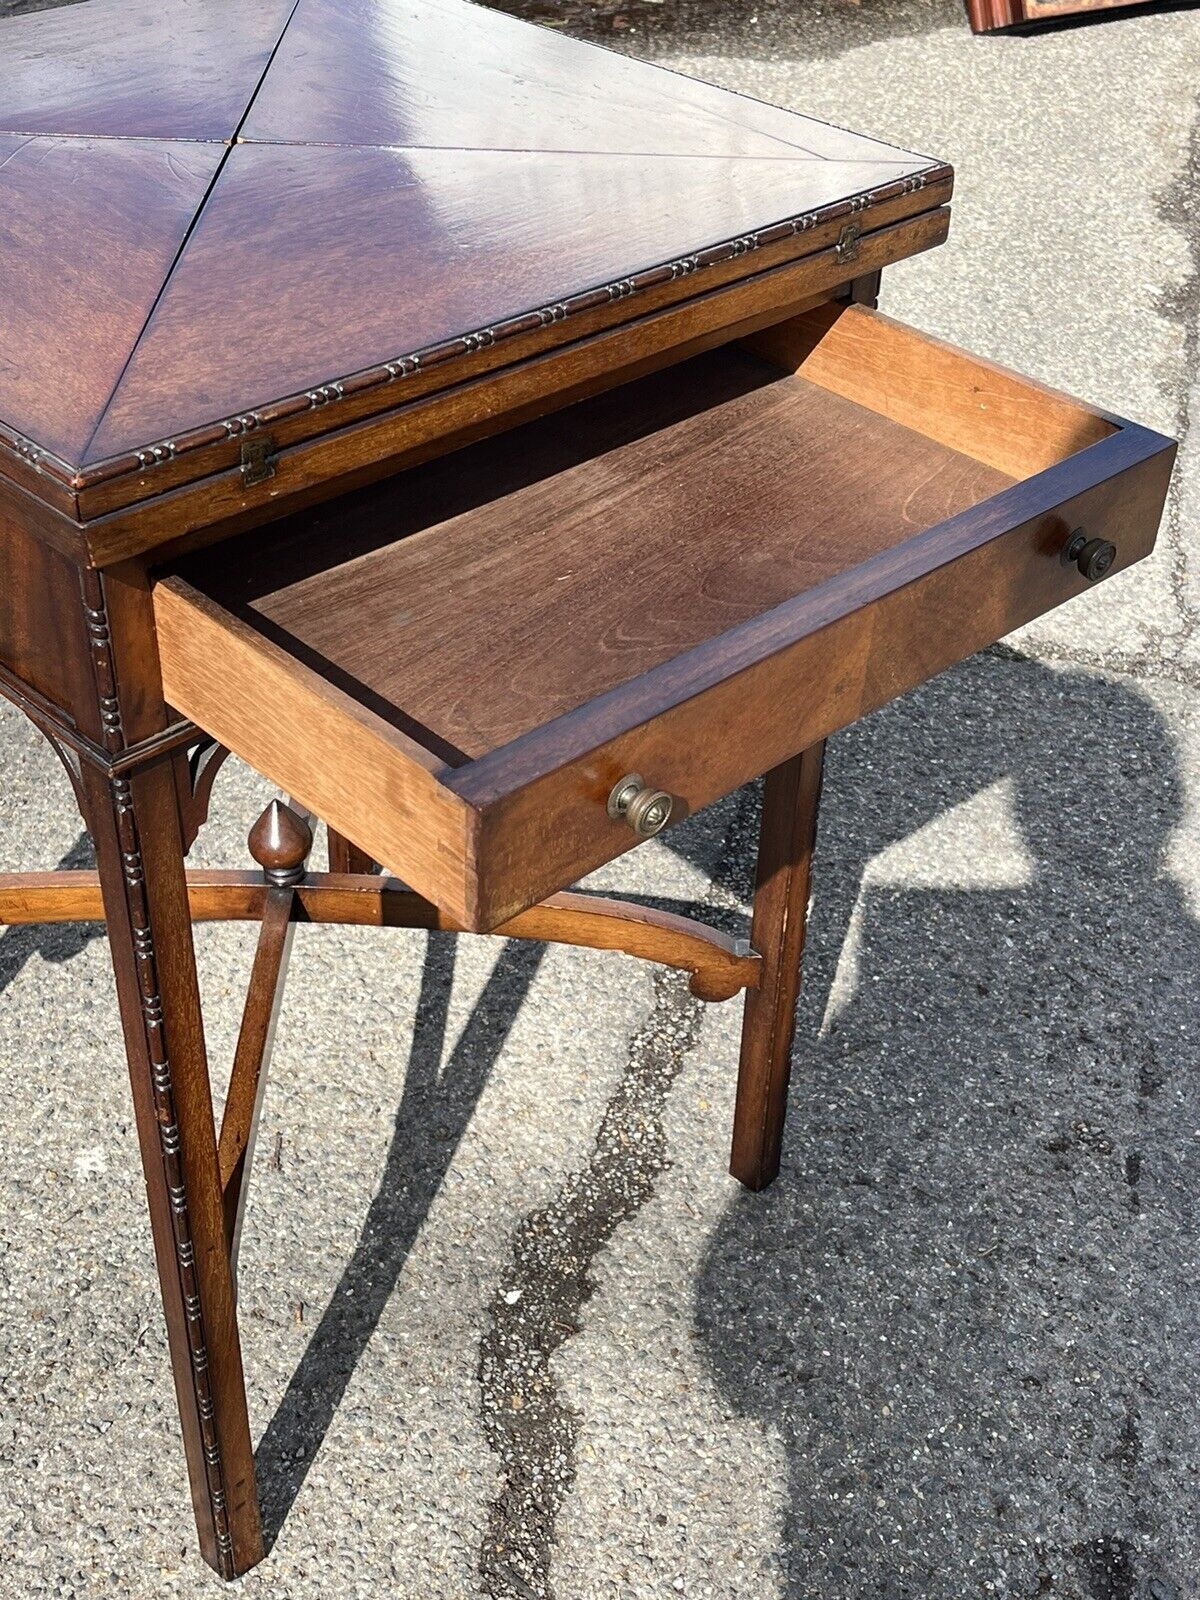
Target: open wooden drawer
<point>688,579</point>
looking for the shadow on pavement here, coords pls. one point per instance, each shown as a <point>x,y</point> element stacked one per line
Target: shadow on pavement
<point>433,1115</point>
<point>713,26</point>
<point>55,942</point>
<point>1089,19</point>
<point>967,1309</point>
<point>813,30</point>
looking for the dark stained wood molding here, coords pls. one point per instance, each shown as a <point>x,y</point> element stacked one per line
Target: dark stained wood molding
<point>720,966</point>
<point>317,469</point>
<point>409,364</point>
<point>57,725</point>
<point>375,388</point>
<point>196,767</point>
<point>160,1007</point>
<point>363,423</point>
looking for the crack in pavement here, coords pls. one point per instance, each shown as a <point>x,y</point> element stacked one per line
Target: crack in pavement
<point>1179,208</point>
<point>531,1428</point>
<point>1107,663</point>
<point>536,1309</point>
<point>1169,659</point>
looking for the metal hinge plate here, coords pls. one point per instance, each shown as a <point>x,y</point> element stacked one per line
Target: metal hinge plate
<point>258,460</point>
<point>846,248</point>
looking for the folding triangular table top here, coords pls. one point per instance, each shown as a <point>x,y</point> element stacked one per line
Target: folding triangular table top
<point>213,214</point>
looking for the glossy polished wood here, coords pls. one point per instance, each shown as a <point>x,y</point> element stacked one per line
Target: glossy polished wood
<point>134,820</point>
<point>44,655</point>
<point>455,75</point>
<point>533,189</point>
<point>280,842</point>
<point>140,69</point>
<point>371,253</point>
<point>375,433</point>
<point>718,965</point>
<point>88,230</point>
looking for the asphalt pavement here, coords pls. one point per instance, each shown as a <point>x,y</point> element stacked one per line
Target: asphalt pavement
<point>511,1330</point>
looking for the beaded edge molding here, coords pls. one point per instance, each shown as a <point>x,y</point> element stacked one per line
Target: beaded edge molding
<point>162,1086</point>
<point>405,366</point>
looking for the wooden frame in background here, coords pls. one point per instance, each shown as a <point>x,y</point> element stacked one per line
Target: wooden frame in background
<point>987,15</point>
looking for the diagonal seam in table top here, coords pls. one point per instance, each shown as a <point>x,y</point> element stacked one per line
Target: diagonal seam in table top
<point>410,92</point>
<point>68,91</point>
<point>379,254</point>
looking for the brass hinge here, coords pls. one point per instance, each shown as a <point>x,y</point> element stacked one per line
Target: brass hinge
<point>258,460</point>
<point>846,248</point>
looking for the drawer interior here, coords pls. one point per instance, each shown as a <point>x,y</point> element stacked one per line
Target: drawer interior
<point>480,596</point>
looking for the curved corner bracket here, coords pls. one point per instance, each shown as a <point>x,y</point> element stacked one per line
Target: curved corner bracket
<point>195,773</point>
<point>67,754</point>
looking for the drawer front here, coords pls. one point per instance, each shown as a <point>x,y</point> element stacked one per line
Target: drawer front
<point>690,580</point>
<point>318,744</point>
<point>760,707</point>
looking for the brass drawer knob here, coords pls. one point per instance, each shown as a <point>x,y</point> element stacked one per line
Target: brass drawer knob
<point>647,811</point>
<point>1093,557</point>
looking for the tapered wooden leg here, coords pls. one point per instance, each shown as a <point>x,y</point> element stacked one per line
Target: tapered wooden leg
<point>347,857</point>
<point>789,827</point>
<point>135,824</point>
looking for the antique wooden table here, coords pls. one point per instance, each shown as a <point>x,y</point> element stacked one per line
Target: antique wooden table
<point>492,441</point>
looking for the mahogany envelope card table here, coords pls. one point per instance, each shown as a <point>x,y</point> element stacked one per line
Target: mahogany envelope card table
<point>492,440</point>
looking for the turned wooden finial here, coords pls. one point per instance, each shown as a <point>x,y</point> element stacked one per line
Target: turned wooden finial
<point>280,842</point>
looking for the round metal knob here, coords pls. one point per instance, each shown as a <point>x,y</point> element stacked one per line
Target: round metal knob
<point>1093,557</point>
<point>647,811</point>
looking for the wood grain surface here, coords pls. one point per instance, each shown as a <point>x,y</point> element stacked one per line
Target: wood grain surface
<point>1013,423</point>
<point>372,433</point>
<point>460,76</point>
<point>309,262</point>
<point>367,779</point>
<point>160,69</point>
<point>721,965</point>
<point>88,230</point>
<point>734,710</point>
<point>678,579</point>
<point>653,519</point>
<point>394,187</point>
